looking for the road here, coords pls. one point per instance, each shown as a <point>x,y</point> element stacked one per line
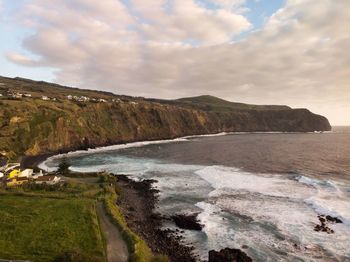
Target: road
<point>116,248</point>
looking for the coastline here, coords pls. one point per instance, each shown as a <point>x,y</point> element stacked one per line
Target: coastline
<point>35,161</point>
<point>137,201</point>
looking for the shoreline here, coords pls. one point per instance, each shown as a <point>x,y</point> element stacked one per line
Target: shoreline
<point>35,161</point>
<point>137,201</point>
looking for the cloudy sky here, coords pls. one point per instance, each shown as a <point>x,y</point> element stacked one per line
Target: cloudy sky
<point>294,52</point>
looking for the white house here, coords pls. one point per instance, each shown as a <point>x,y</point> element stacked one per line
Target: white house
<point>45,98</point>
<point>26,173</point>
<point>50,180</point>
<point>37,175</point>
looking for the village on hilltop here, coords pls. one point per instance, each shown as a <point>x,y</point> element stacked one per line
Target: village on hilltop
<point>6,93</point>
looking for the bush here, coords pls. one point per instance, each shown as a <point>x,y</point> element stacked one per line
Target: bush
<point>63,167</point>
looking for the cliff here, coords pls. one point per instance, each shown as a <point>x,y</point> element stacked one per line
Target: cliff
<point>31,126</point>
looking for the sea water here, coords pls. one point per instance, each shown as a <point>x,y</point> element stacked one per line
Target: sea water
<point>260,192</point>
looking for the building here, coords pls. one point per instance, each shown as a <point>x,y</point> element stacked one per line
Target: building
<point>49,179</point>
<point>37,175</point>
<point>26,173</point>
<point>45,98</point>
<point>14,173</point>
<point>17,181</point>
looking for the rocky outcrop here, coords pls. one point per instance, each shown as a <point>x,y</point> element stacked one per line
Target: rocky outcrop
<point>228,255</point>
<point>325,222</point>
<point>187,222</point>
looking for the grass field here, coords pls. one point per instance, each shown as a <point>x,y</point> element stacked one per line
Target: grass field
<point>39,228</point>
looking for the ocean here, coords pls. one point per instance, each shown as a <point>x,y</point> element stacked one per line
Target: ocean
<point>260,192</point>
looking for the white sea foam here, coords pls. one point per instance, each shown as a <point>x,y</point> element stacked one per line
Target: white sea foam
<point>291,205</point>
<point>225,179</point>
<point>329,199</point>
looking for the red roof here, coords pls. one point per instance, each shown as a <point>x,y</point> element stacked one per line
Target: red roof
<point>45,178</point>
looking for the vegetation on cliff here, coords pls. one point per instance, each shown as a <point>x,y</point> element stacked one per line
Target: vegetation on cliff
<point>32,125</point>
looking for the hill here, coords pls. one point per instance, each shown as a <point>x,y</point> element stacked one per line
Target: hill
<point>212,103</point>
<point>41,118</point>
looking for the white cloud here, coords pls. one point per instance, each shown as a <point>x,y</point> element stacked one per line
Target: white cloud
<point>21,59</point>
<point>299,58</point>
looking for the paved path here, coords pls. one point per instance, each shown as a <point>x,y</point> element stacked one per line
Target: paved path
<point>116,248</point>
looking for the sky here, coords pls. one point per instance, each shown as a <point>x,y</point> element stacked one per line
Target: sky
<point>292,52</point>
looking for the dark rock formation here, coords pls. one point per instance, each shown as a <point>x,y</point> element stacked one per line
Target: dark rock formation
<point>187,222</point>
<point>137,201</point>
<point>228,255</point>
<point>333,219</point>
<point>325,221</point>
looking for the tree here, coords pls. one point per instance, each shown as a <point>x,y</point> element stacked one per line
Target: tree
<point>63,167</point>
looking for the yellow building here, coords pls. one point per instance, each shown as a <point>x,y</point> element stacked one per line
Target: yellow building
<point>14,173</point>
<point>17,181</point>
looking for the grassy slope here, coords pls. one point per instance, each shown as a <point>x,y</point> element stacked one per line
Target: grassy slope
<point>39,228</point>
<point>41,222</point>
<point>212,103</point>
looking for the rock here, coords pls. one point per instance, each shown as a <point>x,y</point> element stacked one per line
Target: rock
<point>187,222</point>
<point>325,220</point>
<point>228,255</point>
<point>333,219</point>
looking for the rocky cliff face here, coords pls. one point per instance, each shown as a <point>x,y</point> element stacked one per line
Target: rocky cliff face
<point>31,126</point>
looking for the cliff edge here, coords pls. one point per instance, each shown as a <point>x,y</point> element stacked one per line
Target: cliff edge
<point>42,118</point>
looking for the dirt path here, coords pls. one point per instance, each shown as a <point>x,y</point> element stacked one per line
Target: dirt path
<point>116,248</point>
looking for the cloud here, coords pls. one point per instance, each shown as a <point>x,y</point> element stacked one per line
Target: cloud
<point>21,59</point>
<point>177,48</point>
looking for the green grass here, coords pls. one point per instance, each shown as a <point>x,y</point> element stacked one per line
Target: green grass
<point>41,222</point>
<point>39,229</point>
<point>212,103</point>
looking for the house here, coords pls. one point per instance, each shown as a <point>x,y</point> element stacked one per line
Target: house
<point>49,179</point>
<point>9,167</point>
<point>69,97</point>
<point>45,98</point>
<point>26,173</point>
<point>17,95</point>
<point>37,175</point>
<point>1,175</point>
<point>17,181</point>
<point>14,173</point>
<point>28,95</point>
<point>102,100</point>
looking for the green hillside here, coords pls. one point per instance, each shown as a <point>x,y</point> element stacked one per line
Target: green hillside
<point>212,103</point>
<point>41,118</point>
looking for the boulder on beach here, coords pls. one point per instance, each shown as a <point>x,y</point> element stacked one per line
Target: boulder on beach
<point>228,255</point>
<point>187,222</point>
